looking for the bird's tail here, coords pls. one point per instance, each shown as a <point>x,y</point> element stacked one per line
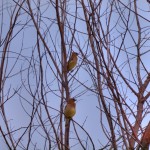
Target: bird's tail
<point>67,121</point>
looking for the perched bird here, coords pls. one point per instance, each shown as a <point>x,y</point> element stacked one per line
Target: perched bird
<point>69,112</point>
<point>72,61</point>
<point>70,108</point>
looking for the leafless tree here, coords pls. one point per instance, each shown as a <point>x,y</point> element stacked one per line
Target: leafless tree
<point>36,40</point>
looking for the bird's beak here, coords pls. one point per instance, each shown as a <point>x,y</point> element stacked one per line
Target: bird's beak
<point>75,53</point>
<point>74,99</point>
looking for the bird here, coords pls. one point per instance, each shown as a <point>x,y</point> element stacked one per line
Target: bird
<point>69,112</point>
<point>70,108</point>
<point>72,61</point>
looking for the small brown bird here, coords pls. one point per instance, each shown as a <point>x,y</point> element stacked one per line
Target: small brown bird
<point>70,108</point>
<point>72,61</point>
<point>69,112</point>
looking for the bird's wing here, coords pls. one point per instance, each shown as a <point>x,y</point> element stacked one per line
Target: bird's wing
<point>71,58</point>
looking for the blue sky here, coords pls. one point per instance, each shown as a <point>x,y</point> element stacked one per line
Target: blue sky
<point>25,44</point>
